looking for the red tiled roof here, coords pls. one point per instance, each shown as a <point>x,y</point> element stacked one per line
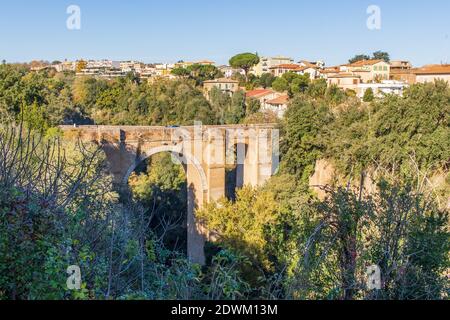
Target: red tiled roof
<point>365,63</point>
<point>280,100</point>
<point>330,70</point>
<point>304,68</point>
<point>308,64</point>
<point>433,69</point>
<point>258,93</point>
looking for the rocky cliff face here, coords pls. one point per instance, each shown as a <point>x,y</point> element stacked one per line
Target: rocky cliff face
<point>326,175</point>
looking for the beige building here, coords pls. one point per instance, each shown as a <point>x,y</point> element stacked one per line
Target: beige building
<point>312,72</point>
<point>327,72</point>
<point>401,71</point>
<point>406,76</point>
<point>430,73</point>
<point>225,85</point>
<point>345,81</point>
<point>262,95</point>
<point>369,70</point>
<point>266,63</point>
<point>400,65</point>
<point>281,69</point>
<point>278,105</point>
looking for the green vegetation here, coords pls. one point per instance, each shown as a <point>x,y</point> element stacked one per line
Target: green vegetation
<point>52,99</point>
<point>244,61</point>
<point>292,83</point>
<point>368,95</point>
<point>386,203</point>
<point>377,55</point>
<point>198,72</point>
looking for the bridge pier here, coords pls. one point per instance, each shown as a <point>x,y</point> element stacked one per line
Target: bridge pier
<point>196,233</point>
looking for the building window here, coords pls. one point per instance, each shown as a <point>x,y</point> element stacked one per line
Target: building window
<point>375,68</point>
<point>385,68</point>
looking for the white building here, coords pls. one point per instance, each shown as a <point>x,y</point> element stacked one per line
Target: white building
<point>99,64</point>
<point>265,63</point>
<point>102,68</point>
<point>228,71</point>
<point>131,66</point>
<point>66,66</point>
<point>385,87</point>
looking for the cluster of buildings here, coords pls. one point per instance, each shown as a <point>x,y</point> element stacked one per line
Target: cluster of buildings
<point>280,65</point>
<point>383,77</point>
<point>378,75</point>
<point>110,69</point>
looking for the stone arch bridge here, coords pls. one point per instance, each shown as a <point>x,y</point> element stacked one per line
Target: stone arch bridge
<point>204,151</point>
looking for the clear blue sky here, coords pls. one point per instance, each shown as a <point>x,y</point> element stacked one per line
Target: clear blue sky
<point>171,30</point>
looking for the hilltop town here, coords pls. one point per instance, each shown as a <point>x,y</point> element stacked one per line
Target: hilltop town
<point>365,76</point>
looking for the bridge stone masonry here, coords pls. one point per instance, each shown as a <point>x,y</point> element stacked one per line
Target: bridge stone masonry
<point>204,151</point>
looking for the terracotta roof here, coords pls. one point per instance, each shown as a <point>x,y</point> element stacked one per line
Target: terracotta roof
<point>280,100</point>
<point>308,64</point>
<point>433,69</point>
<point>330,70</point>
<point>305,68</point>
<point>365,63</point>
<point>258,93</point>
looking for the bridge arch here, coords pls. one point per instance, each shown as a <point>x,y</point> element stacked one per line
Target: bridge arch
<point>176,151</point>
<point>237,161</point>
<point>196,195</point>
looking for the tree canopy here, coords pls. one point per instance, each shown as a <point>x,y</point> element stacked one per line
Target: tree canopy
<point>244,61</point>
<point>377,55</point>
